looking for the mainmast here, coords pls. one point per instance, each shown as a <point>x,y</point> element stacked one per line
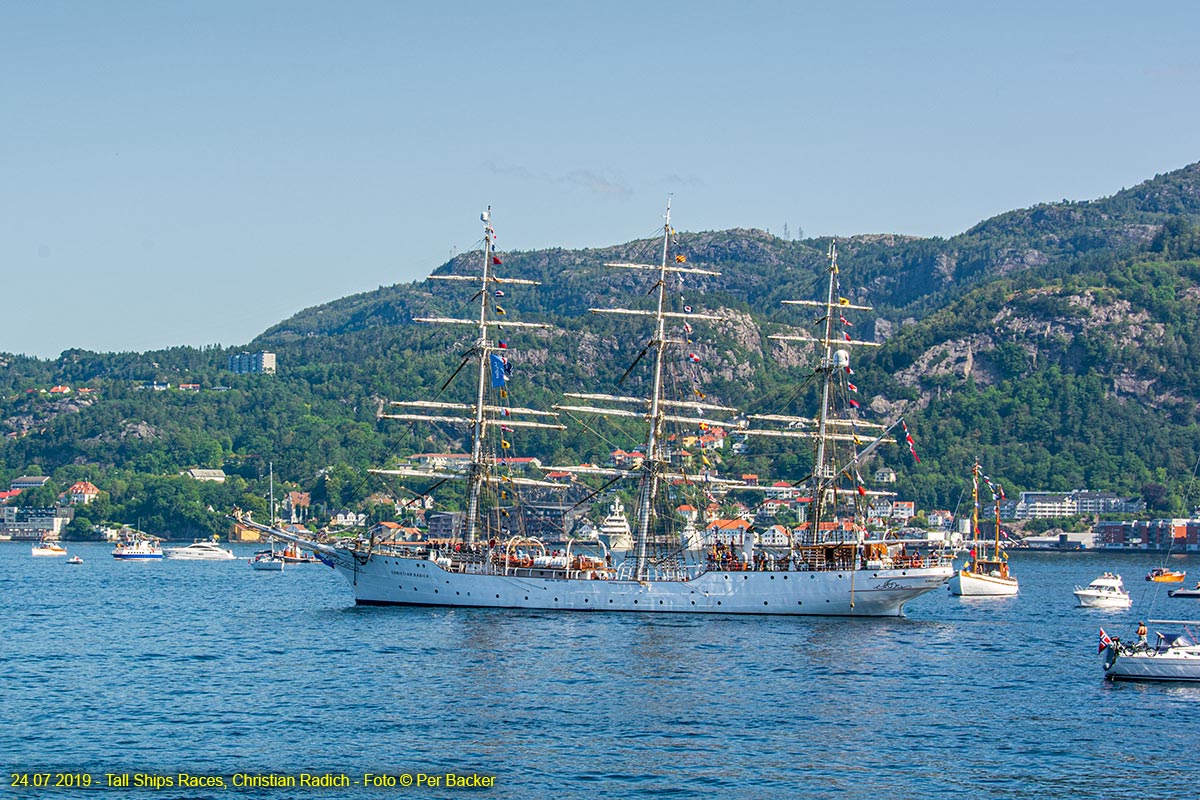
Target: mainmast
<point>482,415</point>
<point>655,467</point>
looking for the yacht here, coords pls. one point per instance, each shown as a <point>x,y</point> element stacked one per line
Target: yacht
<point>200,551</point>
<point>1106,591</point>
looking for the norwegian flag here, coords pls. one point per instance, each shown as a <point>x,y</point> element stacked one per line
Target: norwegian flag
<point>912,446</point>
<point>1105,641</point>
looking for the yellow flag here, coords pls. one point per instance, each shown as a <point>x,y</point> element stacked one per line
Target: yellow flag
<point>842,301</point>
<point>681,259</point>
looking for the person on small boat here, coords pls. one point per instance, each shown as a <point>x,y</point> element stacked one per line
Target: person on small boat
<point>1141,634</point>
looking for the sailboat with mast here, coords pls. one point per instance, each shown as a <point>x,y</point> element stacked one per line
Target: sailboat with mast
<point>833,570</point>
<point>985,575</point>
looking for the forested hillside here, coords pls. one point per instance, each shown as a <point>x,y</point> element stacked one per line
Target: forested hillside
<point>1058,344</point>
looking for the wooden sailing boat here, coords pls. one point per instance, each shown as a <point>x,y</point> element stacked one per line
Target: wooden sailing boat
<point>984,575</point>
<point>491,566</point>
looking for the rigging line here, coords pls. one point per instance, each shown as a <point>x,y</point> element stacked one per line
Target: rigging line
<point>605,439</point>
<point>645,350</point>
<point>597,491</point>
<point>454,375</point>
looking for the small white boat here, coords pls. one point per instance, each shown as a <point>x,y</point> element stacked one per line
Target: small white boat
<point>137,550</point>
<point>74,560</point>
<point>1172,657</point>
<point>267,561</point>
<point>43,549</point>
<point>200,551</point>
<point>1107,591</point>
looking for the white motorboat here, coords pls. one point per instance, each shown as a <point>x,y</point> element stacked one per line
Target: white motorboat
<point>828,568</point>
<point>44,549</point>
<point>267,561</point>
<point>985,575</point>
<point>1106,591</point>
<point>75,560</point>
<point>200,551</point>
<point>1172,656</point>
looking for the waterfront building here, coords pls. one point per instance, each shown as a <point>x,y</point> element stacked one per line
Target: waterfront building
<point>26,524</point>
<point>1179,535</point>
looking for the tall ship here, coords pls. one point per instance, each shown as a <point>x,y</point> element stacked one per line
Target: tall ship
<point>829,566</point>
<point>985,574</point>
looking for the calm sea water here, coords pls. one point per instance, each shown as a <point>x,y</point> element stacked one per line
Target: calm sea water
<point>215,669</point>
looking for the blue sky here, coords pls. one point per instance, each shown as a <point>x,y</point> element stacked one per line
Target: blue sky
<point>190,173</point>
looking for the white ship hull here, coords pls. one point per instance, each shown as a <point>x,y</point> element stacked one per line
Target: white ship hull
<point>391,580</point>
<point>973,584</point>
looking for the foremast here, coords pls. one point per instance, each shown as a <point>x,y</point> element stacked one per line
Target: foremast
<point>655,467</point>
<point>491,373</point>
